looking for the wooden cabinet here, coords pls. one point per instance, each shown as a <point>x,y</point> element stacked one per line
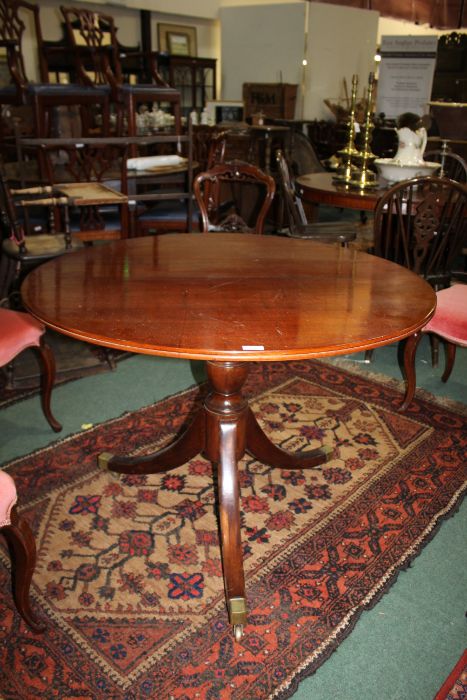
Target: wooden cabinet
<point>195,78</point>
<point>274,100</point>
<point>450,78</point>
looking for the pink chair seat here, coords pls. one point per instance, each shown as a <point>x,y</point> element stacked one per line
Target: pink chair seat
<point>18,331</point>
<point>450,318</point>
<point>7,498</point>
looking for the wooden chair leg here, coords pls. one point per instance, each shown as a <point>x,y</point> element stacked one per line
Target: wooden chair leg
<point>450,350</point>
<point>47,361</point>
<point>23,549</point>
<point>434,344</point>
<point>410,349</point>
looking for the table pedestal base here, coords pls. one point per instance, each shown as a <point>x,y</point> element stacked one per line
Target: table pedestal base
<point>223,430</point>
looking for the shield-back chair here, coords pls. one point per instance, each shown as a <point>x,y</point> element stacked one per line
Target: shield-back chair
<point>422,225</point>
<point>233,196</point>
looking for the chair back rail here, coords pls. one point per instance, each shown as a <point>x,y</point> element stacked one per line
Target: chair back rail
<point>298,225</point>
<point>422,225</point>
<point>453,165</point>
<point>221,195</point>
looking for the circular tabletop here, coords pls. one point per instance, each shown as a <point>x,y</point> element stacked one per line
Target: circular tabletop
<point>220,296</point>
<point>320,188</point>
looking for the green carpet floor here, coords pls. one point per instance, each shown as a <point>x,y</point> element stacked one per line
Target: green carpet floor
<point>407,644</point>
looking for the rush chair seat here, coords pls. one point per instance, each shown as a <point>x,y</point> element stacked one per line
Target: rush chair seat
<point>297,224</point>
<point>233,196</point>
<point>29,236</point>
<point>19,331</point>
<point>449,323</point>
<point>92,174</point>
<point>19,536</point>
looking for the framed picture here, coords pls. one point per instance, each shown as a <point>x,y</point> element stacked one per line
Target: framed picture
<point>225,111</point>
<point>177,39</point>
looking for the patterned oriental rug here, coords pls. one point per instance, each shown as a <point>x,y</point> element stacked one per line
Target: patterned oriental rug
<point>129,572</point>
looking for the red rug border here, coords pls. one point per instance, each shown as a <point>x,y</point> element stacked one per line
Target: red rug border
<point>283,693</point>
<point>452,678</point>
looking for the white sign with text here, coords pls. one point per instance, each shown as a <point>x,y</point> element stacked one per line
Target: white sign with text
<point>406,74</point>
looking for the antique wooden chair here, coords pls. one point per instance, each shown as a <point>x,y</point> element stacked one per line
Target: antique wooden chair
<point>43,97</point>
<point>297,223</point>
<point>93,175</point>
<point>448,323</point>
<point>234,196</point>
<point>100,66</point>
<point>422,225</point>
<point>19,331</point>
<point>29,234</point>
<point>453,165</point>
<point>23,548</point>
<point>161,197</point>
<point>20,539</point>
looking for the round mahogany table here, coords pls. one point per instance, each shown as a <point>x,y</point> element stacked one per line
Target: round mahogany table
<point>229,299</point>
<point>320,188</point>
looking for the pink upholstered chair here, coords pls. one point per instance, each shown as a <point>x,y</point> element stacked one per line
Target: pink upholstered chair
<point>21,540</point>
<point>448,323</point>
<point>19,331</point>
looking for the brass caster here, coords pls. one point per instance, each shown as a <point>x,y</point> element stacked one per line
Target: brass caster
<point>103,460</point>
<point>238,632</point>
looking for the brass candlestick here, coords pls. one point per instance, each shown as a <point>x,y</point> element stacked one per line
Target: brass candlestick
<point>346,169</point>
<point>364,177</point>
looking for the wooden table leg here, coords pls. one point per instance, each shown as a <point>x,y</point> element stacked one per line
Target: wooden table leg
<point>259,446</point>
<point>188,445</point>
<point>223,430</point>
<point>226,412</point>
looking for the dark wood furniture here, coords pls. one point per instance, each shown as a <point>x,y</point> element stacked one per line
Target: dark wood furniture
<point>268,138</point>
<point>43,98</point>
<point>161,199</point>
<point>98,33</point>
<point>228,299</point>
<point>193,77</point>
<point>29,234</point>
<point>297,223</point>
<point>117,201</point>
<point>93,175</point>
<point>450,77</point>
<point>320,188</point>
<point>233,196</point>
<point>452,165</point>
<point>19,332</point>
<point>19,536</point>
<point>422,224</point>
<point>449,324</point>
<point>274,100</point>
